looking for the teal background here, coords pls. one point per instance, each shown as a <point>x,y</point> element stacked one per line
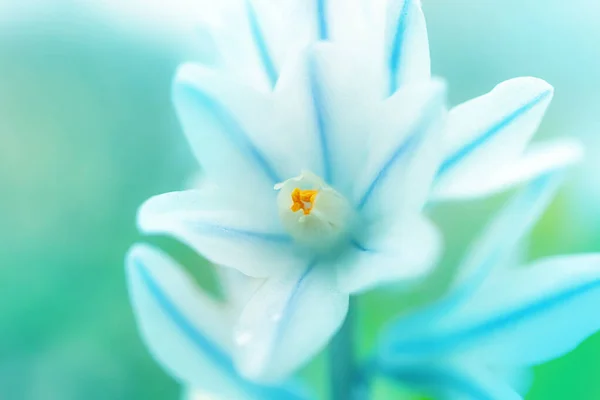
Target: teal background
<point>87,133</point>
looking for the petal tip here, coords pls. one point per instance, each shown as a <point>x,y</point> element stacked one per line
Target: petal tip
<point>191,76</point>
<point>439,86</point>
<point>138,252</point>
<point>530,83</point>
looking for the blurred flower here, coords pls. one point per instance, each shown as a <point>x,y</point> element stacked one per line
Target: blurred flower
<point>498,318</point>
<point>188,330</point>
<point>320,137</point>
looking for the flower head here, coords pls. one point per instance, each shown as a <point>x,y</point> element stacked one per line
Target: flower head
<point>321,137</point>
<point>314,183</point>
<point>352,222</point>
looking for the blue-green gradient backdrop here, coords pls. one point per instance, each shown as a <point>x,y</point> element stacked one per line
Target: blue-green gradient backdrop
<point>87,132</point>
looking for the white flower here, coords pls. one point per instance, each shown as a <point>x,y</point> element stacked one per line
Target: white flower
<point>321,137</point>
<point>350,223</point>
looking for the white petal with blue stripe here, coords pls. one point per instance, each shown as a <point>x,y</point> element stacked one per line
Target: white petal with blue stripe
<point>240,236</point>
<point>187,331</point>
<point>484,136</point>
<point>287,321</point>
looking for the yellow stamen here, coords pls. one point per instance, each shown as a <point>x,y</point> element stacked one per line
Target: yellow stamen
<point>303,200</point>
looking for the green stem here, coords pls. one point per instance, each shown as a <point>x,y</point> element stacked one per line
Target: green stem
<point>342,359</point>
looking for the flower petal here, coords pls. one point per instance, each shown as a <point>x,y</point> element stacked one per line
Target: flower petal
<point>343,99</point>
<point>407,253</point>
<point>491,251</point>
<point>539,159</point>
<point>503,234</point>
<point>519,317</point>
<point>287,321</point>
<point>343,21</point>
<point>451,381</point>
<point>219,119</point>
<point>186,331</point>
<point>254,37</point>
<point>281,30</point>
<point>248,240</point>
<point>407,45</point>
<point>404,152</point>
<point>245,139</point>
<point>486,134</point>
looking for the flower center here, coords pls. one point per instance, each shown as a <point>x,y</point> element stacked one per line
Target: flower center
<point>313,213</point>
<point>303,200</point>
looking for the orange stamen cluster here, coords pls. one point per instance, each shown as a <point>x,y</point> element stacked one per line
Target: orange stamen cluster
<point>303,200</point>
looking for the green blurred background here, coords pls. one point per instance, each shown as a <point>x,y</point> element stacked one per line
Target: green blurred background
<point>87,133</point>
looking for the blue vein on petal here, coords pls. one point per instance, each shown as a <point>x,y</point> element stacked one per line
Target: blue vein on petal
<point>397,43</point>
<point>261,45</point>
<point>290,305</point>
<point>234,131</point>
<point>435,343</point>
<point>217,356</point>
<point>357,245</point>
<point>417,135</point>
<point>438,377</point>
<point>481,139</point>
<point>517,219</point>
<point>320,118</point>
<point>213,229</point>
<point>322,20</point>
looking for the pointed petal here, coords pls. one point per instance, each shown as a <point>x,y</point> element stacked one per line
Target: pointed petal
<point>496,245</point>
<point>343,98</point>
<point>539,159</point>
<point>244,139</point>
<point>403,154</point>
<point>254,37</point>
<point>488,133</point>
<point>519,317</point>
<point>221,122</point>
<point>555,299</point>
<point>247,240</point>
<point>280,31</point>
<point>295,131</point>
<point>405,254</point>
<point>407,45</point>
<point>287,321</point>
<point>342,21</point>
<point>240,41</point>
<point>394,41</point>
<point>186,331</point>
<point>457,382</point>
